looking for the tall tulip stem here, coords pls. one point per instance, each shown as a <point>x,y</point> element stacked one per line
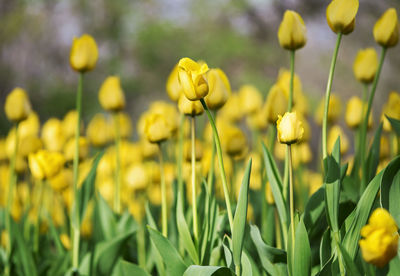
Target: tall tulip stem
<point>164,221</point>
<point>117,186</point>
<point>291,201</point>
<point>290,103</point>
<point>328,95</point>
<point>221,163</point>
<point>194,209</point>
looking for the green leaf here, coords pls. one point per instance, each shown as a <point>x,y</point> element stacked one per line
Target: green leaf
<point>358,218</point>
<point>154,255</point>
<point>325,252</point>
<point>373,155</point>
<point>394,196</point>
<point>184,233</point>
<point>86,192</point>
<point>270,257</point>
<point>171,257</point>
<point>23,252</point>
<point>395,124</point>
<point>351,268</point>
<point>239,221</point>
<point>125,268</point>
<point>196,270</point>
<point>105,218</point>
<point>226,244</point>
<point>302,251</point>
<point>275,182</point>
<point>314,214</point>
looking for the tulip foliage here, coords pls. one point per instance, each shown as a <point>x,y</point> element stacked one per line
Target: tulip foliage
<point>222,180</point>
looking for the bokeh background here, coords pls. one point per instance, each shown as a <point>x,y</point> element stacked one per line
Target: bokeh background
<point>142,40</point>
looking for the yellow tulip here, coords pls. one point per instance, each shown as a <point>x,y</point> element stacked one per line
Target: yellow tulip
<point>17,105</point>
<point>30,126</point>
<point>341,15</point>
<point>149,150</point>
<point>65,240</point>
<point>61,180</point>
<point>233,141</point>
<point>283,82</point>
<point>232,110</point>
<point>69,124</point>
<point>304,152</point>
<point>250,98</point>
<point>167,110</point>
<point>276,103</point>
<point>257,120</point>
<point>290,128</point>
<point>219,89</point>
<point>125,126</point>
<point>315,181</point>
<point>136,208</point>
<point>45,164</point>
<point>187,150</point>
<point>268,194</point>
<point>53,135</point>
<point>280,151</point>
<point>192,79</point>
<point>111,95</point>
<point>136,177</point>
<point>188,107</point>
<point>3,151</point>
<point>84,54</point>
<point>365,65</point>
<point>26,144</point>
<point>173,87</point>
<point>380,238</point>
<point>156,128</point>
<point>335,132</point>
<point>354,113</point>
<point>386,29</point>
<point>384,149</point>
<point>69,148</point>
<point>99,130</point>
<point>391,109</point>
<point>292,31</point>
<point>334,109</point>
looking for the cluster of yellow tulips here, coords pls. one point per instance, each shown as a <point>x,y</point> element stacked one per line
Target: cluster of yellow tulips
<point>236,194</point>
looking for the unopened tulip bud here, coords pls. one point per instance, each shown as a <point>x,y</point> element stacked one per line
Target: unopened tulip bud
<point>157,128</point>
<point>334,133</point>
<point>111,95</point>
<point>17,105</point>
<point>292,31</point>
<point>174,88</point>
<point>341,15</point>
<point>365,65</point>
<point>386,29</point>
<point>84,54</point>
<point>99,131</point>
<point>45,164</point>
<point>219,89</point>
<point>250,98</point>
<point>290,128</point>
<point>192,79</point>
<point>188,107</point>
<point>354,113</point>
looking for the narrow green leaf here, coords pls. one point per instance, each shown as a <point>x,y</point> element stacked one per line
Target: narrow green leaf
<point>373,155</point>
<point>125,268</point>
<point>314,214</point>
<point>172,260</point>
<point>302,251</point>
<point>395,124</point>
<point>184,233</point>
<point>196,270</point>
<point>351,268</point>
<point>105,218</point>
<point>275,182</point>
<point>239,221</point>
<point>154,255</point>
<point>394,196</point>
<point>325,252</point>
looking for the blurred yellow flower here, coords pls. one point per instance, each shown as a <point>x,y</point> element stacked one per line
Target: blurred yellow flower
<point>233,140</point>
<point>188,107</point>
<point>136,208</point>
<point>167,110</point>
<point>334,109</point>
<point>192,78</point>
<point>292,33</point>
<point>45,164</point>
<point>61,180</point>
<point>69,148</point>
<point>125,126</point>
<point>391,109</point>
<point>53,135</point>
<point>384,149</point>
<point>174,88</point>
<point>84,53</point>
<point>315,181</point>
<point>276,103</point>
<point>335,132</point>
<point>30,126</point>
<point>354,113</point>
<point>232,110</point>
<point>69,123</point>
<point>17,105</point>
<point>290,128</point>
<point>283,81</point>
<point>99,130</point>
<point>341,15</point>
<point>111,95</point>
<point>250,99</point>
<point>386,29</point>
<point>187,150</point>
<point>156,128</point>
<point>365,65</point>
<point>219,89</point>
<point>136,177</point>
<point>380,238</point>
<point>65,240</point>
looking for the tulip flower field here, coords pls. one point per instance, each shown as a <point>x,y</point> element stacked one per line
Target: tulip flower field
<point>219,181</point>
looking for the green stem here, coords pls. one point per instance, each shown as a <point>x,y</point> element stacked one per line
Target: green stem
<point>75,210</point>
<point>290,103</point>
<point>221,163</point>
<point>336,236</point>
<point>194,209</point>
<point>365,121</point>
<point>328,95</point>
<point>238,270</point>
<point>39,205</point>
<point>210,176</point>
<point>163,194</point>
<point>291,203</point>
<point>180,160</point>
<point>11,186</point>
<point>141,246</point>
<point>117,187</point>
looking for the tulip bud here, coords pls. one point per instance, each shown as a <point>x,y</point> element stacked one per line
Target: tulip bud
<point>386,29</point>
<point>276,103</point>
<point>380,238</point>
<point>334,109</point>
<point>191,77</point>
<point>292,31</point>
<point>290,128</point>
<point>341,15</point>
<point>111,96</point>
<point>17,105</point>
<point>30,126</point>
<point>69,149</point>
<point>233,141</point>
<point>53,135</point>
<point>232,110</point>
<point>391,109</point>
<point>156,128</point>
<point>187,150</point>
<point>167,110</point>
<point>84,54</point>
<point>268,194</point>
<point>69,124</point>
<point>188,107</point>
<point>45,164</point>
<point>219,89</point>
<point>354,113</point>
<point>99,131</point>
<point>334,133</point>
<point>125,126</point>
<point>174,88</point>
<point>250,99</point>
<point>365,65</point>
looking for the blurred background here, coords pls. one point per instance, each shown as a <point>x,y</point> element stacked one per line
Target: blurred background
<point>142,40</point>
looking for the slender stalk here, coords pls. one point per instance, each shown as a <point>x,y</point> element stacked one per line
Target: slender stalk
<point>221,163</point>
<point>328,95</point>
<point>238,270</point>
<point>278,237</point>
<point>290,103</point>
<point>342,269</point>
<point>141,246</point>
<point>194,203</point>
<point>210,176</point>
<point>117,187</point>
<point>163,194</point>
<point>180,160</point>
<point>39,205</point>
<point>291,203</point>
<point>75,210</point>
<point>11,186</point>
<point>365,121</point>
